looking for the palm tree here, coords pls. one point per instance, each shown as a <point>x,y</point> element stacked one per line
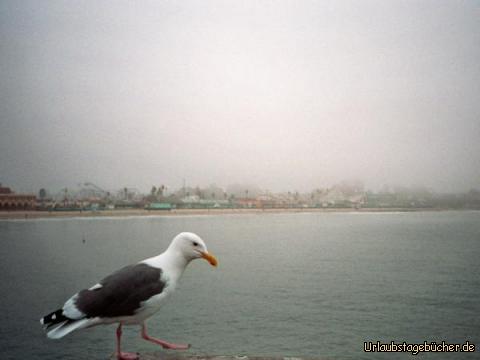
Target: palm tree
<point>160,190</point>
<point>42,194</point>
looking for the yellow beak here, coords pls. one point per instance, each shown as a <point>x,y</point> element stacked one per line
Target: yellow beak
<point>210,258</point>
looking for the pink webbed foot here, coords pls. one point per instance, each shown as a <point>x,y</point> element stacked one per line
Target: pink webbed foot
<point>127,356</point>
<point>166,345</point>
<point>162,343</point>
<point>170,346</point>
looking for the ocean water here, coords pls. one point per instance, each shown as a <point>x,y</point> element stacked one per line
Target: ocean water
<point>304,284</point>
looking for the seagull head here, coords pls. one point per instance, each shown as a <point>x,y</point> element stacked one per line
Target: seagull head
<point>191,246</point>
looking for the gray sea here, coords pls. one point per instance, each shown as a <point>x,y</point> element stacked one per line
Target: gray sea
<point>303,284</point>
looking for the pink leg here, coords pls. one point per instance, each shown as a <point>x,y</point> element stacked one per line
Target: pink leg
<point>123,355</point>
<point>164,344</point>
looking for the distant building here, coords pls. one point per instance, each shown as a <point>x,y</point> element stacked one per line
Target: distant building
<point>246,202</point>
<point>339,196</point>
<point>266,201</point>
<point>5,190</point>
<point>11,201</point>
<point>158,206</point>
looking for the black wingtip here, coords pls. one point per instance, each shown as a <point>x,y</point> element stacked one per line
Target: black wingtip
<point>53,318</point>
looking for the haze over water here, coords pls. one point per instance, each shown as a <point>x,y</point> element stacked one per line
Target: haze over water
<point>308,284</point>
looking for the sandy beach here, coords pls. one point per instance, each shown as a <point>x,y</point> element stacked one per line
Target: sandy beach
<point>30,214</point>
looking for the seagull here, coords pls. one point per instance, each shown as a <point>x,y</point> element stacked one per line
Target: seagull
<point>130,295</point>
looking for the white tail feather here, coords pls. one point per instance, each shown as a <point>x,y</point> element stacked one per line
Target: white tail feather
<point>66,328</point>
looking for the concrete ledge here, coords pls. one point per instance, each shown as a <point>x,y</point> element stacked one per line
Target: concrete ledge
<point>178,356</point>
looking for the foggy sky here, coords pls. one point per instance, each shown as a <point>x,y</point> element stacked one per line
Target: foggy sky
<point>289,95</point>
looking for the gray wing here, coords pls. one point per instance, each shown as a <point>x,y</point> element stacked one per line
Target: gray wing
<point>121,293</point>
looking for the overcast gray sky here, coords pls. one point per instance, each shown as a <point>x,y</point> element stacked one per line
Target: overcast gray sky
<point>290,95</point>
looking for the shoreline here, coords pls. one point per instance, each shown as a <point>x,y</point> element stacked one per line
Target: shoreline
<point>33,214</point>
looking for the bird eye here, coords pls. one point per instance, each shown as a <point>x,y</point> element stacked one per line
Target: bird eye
<point>195,243</point>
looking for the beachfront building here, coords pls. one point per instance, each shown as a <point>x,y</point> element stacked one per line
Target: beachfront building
<point>12,201</point>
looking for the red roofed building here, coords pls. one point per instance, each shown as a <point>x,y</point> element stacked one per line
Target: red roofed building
<point>11,201</point>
